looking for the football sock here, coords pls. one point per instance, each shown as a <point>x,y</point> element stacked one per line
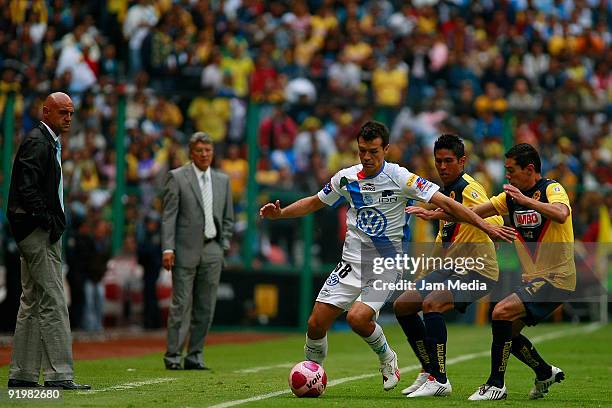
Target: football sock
<point>415,332</point>
<point>378,343</point>
<point>500,351</point>
<point>524,351</point>
<point>316,350</point>
<point>436,330</point>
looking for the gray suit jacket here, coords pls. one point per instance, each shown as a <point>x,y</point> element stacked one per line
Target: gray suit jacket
<point>183,214</point>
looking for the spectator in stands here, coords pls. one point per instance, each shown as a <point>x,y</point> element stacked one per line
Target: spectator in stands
<point>275,127</point>
<point>312,140</point>
<point>237,168</point>
<point>521,99</point>
<point>141,17</point>
<point>97,257</point>
<point>210,114</point>
<point>149,247</point>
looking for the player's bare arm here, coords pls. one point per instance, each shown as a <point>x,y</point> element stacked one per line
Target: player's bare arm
<point>558,212</point>
<point>484,210</point>
<point>300,208</point>
<point>429,215</point>
<point>463,214</point>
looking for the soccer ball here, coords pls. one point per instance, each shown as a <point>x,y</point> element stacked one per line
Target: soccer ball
<point>307,379</point>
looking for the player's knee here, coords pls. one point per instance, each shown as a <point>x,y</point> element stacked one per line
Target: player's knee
<point>408,303</point>
<point>401,308</point>
<point>432,305</point>
<point>503,311</point>
<point>357,319</point>
<point>314,324</point>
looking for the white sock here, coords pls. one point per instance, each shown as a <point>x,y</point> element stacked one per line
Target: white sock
<point>316,350</point>
<point>378,343</point>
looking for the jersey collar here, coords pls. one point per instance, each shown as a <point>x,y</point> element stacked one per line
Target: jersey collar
<point>361,175</point>
<point>453,183</point>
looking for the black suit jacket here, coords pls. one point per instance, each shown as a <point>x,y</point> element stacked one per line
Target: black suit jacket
<point>33,198</point>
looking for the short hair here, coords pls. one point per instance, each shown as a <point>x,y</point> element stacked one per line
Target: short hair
<point>525,154</point>
<point>450,142</point>
<point>199,137</point>
<point>372,130</point>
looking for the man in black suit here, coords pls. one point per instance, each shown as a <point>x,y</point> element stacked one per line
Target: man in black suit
<point>36,217</point>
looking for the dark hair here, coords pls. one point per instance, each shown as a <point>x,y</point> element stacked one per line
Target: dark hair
<point>372,130</point>
<point>525,154</point>
<point>450,142</point>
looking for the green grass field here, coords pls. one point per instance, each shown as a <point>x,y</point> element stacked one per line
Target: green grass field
<point>582,351</point>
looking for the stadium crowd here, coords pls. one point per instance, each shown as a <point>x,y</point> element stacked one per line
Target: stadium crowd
<point>494,72</point>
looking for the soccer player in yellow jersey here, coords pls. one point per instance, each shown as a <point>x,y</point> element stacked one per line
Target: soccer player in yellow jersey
<point>539,210</point>
<point>458,241</point>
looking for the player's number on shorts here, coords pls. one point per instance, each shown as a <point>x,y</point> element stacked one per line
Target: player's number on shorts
<point>343,269</point>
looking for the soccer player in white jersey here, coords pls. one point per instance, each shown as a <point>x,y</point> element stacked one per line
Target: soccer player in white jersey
<point>377,193</point>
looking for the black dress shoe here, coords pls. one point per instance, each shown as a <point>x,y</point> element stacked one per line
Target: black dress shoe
<point>22,384</point>
<point>173,366</point>
<point>191,366</point>
<point>67,385</point>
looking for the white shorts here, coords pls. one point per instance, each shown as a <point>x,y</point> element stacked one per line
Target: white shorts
<point>345,285</point>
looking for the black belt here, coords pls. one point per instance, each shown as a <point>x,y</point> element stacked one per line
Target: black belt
<point>208,240</point>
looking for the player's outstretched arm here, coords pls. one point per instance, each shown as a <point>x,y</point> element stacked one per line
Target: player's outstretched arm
<point>483,210</point>
<point>465,214</point>
<point>558,212</point>
<point>429,215</point>
<point>300,208</point>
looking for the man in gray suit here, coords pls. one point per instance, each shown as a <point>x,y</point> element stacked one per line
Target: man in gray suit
<point>197,225</point>
<point>36,215</point>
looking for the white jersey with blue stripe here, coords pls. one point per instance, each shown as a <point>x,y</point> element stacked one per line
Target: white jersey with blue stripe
<point>376,217</point>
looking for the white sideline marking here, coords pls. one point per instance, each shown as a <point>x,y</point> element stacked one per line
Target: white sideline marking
<point>465,357</point>
<point>128,386</point>
<point>263,368</point>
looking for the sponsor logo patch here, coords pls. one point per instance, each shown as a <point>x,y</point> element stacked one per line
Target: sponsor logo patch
<point>368,187</point>
<point>422,185</point>
<point>367,199</point>
<point>332,280</point>
<point>371,221</point>
<point>537,195</point>
<point>324,292</point>
<point>410,181</point>
<point>387,196</point>
<point>474,194</point>
<point>527,219</point>
<point>327,189</point>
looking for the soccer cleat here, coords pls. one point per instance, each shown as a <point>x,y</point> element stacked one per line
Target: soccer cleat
<point>390,373</point>
<point>420,380</point>
<point>541,387</point>
<point>489,392</point>
<point>432,388</point>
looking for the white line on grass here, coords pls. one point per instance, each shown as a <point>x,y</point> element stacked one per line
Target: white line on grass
<point>465,357</point>
<point>263,368</point>
<point>128,386</point>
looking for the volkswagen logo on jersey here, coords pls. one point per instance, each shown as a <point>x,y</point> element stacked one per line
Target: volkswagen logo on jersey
<point>527,219</point>
<point>371,221</point>
<point>332,280</point>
